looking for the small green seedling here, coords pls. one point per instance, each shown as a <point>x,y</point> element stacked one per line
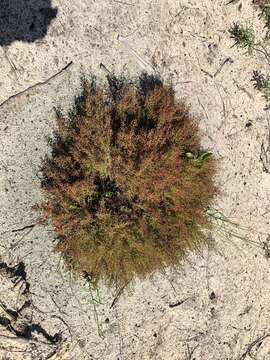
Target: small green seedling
<point>243,37</point>
<point>199,159</point>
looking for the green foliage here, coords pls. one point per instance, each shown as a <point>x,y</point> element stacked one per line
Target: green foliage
<point>262,84</point>
<point>199,159</point>
<point>127,184</point>
<point>264,10</point>
<point>243,37</point>
<point>228,229</point>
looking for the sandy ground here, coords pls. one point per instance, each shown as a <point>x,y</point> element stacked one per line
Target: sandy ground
<point>217,306</point>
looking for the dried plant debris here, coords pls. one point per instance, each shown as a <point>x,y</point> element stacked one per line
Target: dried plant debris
<point>265,151</point>
<point>127,182</point>
<point>17,312</point>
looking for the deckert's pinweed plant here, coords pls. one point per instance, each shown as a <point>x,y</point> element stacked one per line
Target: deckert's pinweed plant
<point>127,182</point>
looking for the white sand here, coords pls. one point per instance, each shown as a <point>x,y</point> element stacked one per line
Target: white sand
<point>184,40</point>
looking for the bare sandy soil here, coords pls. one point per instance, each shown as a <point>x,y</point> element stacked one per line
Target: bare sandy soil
<point>217,306</point>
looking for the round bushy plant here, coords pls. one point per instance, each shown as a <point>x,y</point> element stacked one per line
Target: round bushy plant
<point>127,183</point>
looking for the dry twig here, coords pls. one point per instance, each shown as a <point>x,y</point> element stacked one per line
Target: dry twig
<point>40,83</point>
<point>250,347</point>
<point>265,152</point>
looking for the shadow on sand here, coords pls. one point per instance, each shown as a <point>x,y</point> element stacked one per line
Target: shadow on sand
<point>24,20</point>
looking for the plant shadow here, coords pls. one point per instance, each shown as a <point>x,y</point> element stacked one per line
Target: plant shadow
<point>25,20</point>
